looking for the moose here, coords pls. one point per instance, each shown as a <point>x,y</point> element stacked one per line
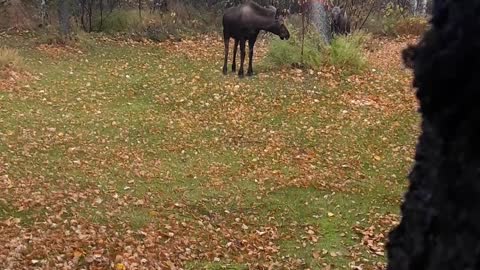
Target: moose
<point>243,23</point>
<point>340,24</point>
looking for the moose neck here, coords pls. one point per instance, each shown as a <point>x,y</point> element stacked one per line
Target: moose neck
<point>264,18</point>
<point>269,24</point>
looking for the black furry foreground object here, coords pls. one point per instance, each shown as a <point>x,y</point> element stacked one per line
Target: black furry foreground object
<point>440,226</point>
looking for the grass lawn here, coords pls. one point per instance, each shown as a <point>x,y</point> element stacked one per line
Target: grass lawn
<point>146,156</point>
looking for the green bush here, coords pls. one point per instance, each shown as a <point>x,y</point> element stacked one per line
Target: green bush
<point>392,15</point>
<point>411,26</point>
<point>287,53</point>
<point>120,21</point>
<point>375,25</point>
<point>163,27</point>
<point>283,53</point>
<point>181,20</point>
<point>346,52</point>
<point>396,21</point>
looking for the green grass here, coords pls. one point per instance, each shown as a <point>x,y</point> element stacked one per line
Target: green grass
<point>132,130</point>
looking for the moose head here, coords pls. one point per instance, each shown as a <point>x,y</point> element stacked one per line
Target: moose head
<point>340,21</point>
<point>339,13</point>
<point>279,27</point>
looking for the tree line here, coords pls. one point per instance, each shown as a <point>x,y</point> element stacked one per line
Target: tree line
<point>89,14</point>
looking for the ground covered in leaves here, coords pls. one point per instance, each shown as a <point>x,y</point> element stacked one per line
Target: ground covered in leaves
<point>144,156</point>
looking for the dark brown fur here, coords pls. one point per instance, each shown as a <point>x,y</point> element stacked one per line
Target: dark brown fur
<point>243,23</point>
<point>440,226</point>
<point>340,23</point>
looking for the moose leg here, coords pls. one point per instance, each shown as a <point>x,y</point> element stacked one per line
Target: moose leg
<point>242,57</point>
<point>234,63</point>
<point>251,45</point>
<point>226,40</point>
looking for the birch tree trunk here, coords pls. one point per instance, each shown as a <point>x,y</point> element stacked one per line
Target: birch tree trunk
<point>64,18</point>
<point>43,12</point>
<point>413,7</point>
<point>320,20</point>
<point>422,7</point>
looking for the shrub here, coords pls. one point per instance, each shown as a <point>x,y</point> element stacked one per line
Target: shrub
<point>411,26</point>
<point>287,53</point>
<point>283,53</point>
<point>163,27</point>
<point>395,21</point>
<point>120,21</point>
<point>10,58</point>
<point>182,19</point>
<point>374,24</point>
<point>346,52</point>
<point>392,15</point>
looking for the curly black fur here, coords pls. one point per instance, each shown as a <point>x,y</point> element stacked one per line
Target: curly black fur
<point>440,226</point>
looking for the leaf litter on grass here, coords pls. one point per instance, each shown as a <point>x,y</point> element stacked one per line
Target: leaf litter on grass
<point>181,171</point>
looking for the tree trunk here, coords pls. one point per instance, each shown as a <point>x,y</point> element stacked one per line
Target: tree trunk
<point>64,18</point>
<point>320,20</point>
<point>140,8</point>
<point>43,12</point>
<point>303,28</point>
<point>83,7</point>
<point>90,15</point>
<point>413,7</point>
<point>101,15</point>
<point>422,7</point>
